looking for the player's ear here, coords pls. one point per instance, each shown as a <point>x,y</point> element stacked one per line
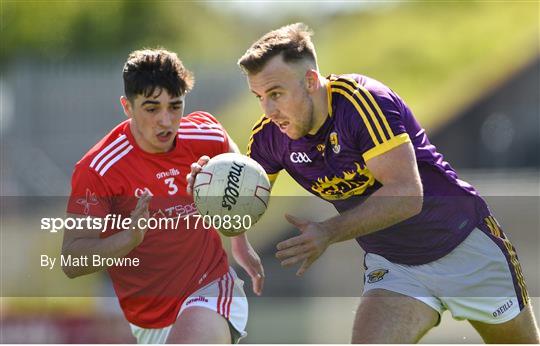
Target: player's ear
<point>126,106</point>
<point>311,80</point>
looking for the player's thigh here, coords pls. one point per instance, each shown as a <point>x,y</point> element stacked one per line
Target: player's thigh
<point>199,325</point>
<point>388,317</point>
<point>522,329</point>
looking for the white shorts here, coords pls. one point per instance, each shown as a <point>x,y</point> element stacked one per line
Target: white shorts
<point>225,296</point>
<point>479,280</point>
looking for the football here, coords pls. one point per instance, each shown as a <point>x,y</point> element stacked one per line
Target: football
<point>231,193</point>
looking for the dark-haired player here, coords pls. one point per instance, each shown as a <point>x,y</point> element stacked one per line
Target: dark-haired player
<point>182,290</point>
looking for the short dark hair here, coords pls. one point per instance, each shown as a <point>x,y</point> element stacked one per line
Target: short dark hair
<point>149,69</point>
<point>292,41</point>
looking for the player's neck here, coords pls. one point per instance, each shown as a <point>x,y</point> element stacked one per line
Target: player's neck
<point>320,105</point>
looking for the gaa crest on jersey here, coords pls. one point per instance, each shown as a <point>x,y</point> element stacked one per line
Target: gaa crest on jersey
<point>345,185</point>
<point>334,143</point>
<point>320,148</point>
<point>299,157</point>
<point>376,275</point>
<point>88,201</point>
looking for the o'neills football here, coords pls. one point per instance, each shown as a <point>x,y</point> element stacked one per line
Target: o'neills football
<point>231,193</point>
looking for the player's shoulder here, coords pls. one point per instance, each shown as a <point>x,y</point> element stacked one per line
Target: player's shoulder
<point>363,94</point>
<point>266,136</point>
<point>108,151</point>
<point>201,126</point>
<point>199,118</point>
<point>357,83</point>
<point>264,128</point>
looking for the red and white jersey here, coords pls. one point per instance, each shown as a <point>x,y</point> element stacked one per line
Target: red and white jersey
<point>173,263</point>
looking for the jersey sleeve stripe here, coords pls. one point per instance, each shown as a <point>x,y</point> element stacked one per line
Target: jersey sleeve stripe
<point>378,110</point>
<point>258,127</point>
<point>210,132</point>
<point>189,124</point>
<point>106,149</point>
<point>348,95</point>
<point>386,146</point>
<point>113,152</point>
<point>360,97</point>
<point>373,104</point>
<point>203,137</point>
<point>115,159</point>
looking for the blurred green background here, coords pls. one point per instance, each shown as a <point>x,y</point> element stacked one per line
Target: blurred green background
<point>460,66</point>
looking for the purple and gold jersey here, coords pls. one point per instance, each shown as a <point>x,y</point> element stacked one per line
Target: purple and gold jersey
<point>366,119</point>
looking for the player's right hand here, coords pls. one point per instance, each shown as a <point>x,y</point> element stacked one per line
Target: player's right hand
<point>196,167</point>
<point>140,212</point>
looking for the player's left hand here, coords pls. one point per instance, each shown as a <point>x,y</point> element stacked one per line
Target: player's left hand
<point>306,247</point>
<point>247,258</point>
<point>196,168</point>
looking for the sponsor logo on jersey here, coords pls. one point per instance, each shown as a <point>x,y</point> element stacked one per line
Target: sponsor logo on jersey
<point>345,185</point>
<point>179,210</point>
<point>232,192</point>
<point>197,299</point>
<point>502,309</point>
<point>170,173</point>
<point>139,192</point>
<point>376,275</point>
<point>334,142</point>
<point>299,157</point>
<point>88,201</point>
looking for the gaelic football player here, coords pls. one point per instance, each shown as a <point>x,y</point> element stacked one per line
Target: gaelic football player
<point>182,290</point>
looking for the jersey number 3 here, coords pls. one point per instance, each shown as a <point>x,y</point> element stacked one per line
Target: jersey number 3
<point>172,186</point>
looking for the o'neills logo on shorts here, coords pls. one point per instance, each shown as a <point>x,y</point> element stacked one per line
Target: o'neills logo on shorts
<point>232,190</point>
<point>502,309</point>
<point>197,299</point>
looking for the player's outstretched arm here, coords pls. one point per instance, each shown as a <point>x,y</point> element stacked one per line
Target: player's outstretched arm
<point>77,243</point>
<point>400,198</point>
<point>247,258</point>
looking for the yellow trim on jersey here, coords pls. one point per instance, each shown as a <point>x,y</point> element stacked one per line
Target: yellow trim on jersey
<point>386,146</point>
<point>272,177</point>
<point>259,122</point>
<point>373,117</point>
<point>329,97</point>
<point>375,104</point>
<point>362,114</point>
<point>377,108</point>
<point>258,127</point>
